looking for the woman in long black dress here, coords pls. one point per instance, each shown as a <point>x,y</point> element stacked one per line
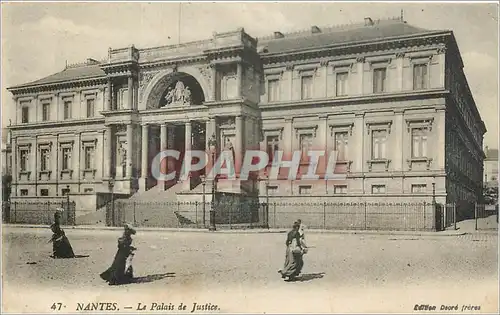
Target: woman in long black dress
<point>121,271</point>
<point>61,248</point>
<point>294,254</point>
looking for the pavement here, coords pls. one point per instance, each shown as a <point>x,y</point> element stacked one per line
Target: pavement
<point>237,272</point>
<point>449,232</point>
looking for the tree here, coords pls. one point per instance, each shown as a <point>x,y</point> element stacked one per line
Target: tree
<point>6,184</point>
<point>490,195</point>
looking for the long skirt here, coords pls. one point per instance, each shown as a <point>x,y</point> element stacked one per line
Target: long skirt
<point>293,264</point>
<point>120,271</point>
<point>61,248</point>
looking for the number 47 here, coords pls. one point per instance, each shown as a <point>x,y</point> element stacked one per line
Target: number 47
<point>56,306</point>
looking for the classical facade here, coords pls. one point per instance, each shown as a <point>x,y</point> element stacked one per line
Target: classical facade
<point>392,99</point>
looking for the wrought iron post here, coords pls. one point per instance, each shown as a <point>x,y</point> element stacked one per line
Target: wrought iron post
<point>203,183</point>
<point>67,204</point>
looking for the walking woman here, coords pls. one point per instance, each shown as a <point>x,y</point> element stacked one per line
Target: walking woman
<point>61,248</point>
<point>121,271</point>
<point>294,254</point>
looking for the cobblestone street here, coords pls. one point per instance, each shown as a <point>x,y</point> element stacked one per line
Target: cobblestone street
<point>238,272</point>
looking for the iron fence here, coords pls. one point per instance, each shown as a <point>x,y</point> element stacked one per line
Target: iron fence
<point>485,217</point>
<point>321,215</point>
<point>38,212</point>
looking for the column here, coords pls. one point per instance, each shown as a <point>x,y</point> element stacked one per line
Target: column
<point>439,145</point>
<point>15,163</point>
<point>78,159</point>
<point>360,70</point>
<point>163,146</point>
<point>359,142</point>
<point>188,143</point>
<point>398,147</point>
<point>108,151</point>
<point>130,92</point>
<point>400,66</point>
<point>322,144</point>
<point>289,68</point>
<point>238,146</point>
<point>143,185</point>
<point>214,82</point>
<point>442,68</point>
<point>209,131</point>
<point>110,95</point>
<point>324,64</point>
<point>239,76</point>
<point>130,148</point>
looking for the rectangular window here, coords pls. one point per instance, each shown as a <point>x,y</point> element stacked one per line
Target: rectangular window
<point>341,145</point>
<point>378,189</point>
<point>379,140</point>
<point>44,192</point>
<point>306,84</point>
<point>340,189</point>
<point>418,188</point>
<point>379,79</point>
<point>306,141</point>
<point>272,190</point>
<point>66,159</point>
<point>420,77</point>
<point>44,160</point>
<point>65,191</point>
<point>46,112</point>
<point>25,111</point>
<point>273,90</point>
<point>89,158</point>
<point>23,160</point>
<point>419,143</point>
<point>341,83</point>
<point>67,109</point>
<point>90,107</point>
<point>272,146</point>
<point>305,190</point>
<point>24,192</point>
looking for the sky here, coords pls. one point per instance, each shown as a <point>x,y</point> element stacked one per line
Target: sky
<point>39,38</point>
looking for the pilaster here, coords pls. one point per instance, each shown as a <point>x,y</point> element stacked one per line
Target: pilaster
<point>130,148</point>
<point>130,92</point>
<point>143,185</point>
<point>238,143</point>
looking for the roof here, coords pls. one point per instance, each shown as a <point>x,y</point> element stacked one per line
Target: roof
<point>491,154</point>
<point>70,73</point>
<point>343,34</point>
<point>321,37</point>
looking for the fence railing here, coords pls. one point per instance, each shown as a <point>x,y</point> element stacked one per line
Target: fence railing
<point>247,214</point>
<point>38,212</point>
<point>321,215</point>
<point>485,217</point>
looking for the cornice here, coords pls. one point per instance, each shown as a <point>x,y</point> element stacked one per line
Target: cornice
<point>59,85</point>
<point>358,47</point>
<point>361,99</point>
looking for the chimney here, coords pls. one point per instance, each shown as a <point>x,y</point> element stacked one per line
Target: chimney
<point>368,21</point>
<point>315,29</point>
<point>278,35</point>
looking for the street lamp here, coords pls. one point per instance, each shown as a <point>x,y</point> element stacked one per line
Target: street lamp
<point>111,184</point>
<point>203,183</point>
<point>212,144</point>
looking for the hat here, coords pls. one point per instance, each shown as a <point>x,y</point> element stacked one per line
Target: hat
<point>129,227</point>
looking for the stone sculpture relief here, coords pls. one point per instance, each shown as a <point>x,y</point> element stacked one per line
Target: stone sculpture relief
<point>180,95</point>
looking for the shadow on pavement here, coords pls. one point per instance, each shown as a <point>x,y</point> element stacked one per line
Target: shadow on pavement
<point>310,276</point>
<point>151,278</point>
<point>76,256</point>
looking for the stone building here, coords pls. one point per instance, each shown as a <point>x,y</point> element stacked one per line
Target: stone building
<point>491,167</point>
<point>392,99</point>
